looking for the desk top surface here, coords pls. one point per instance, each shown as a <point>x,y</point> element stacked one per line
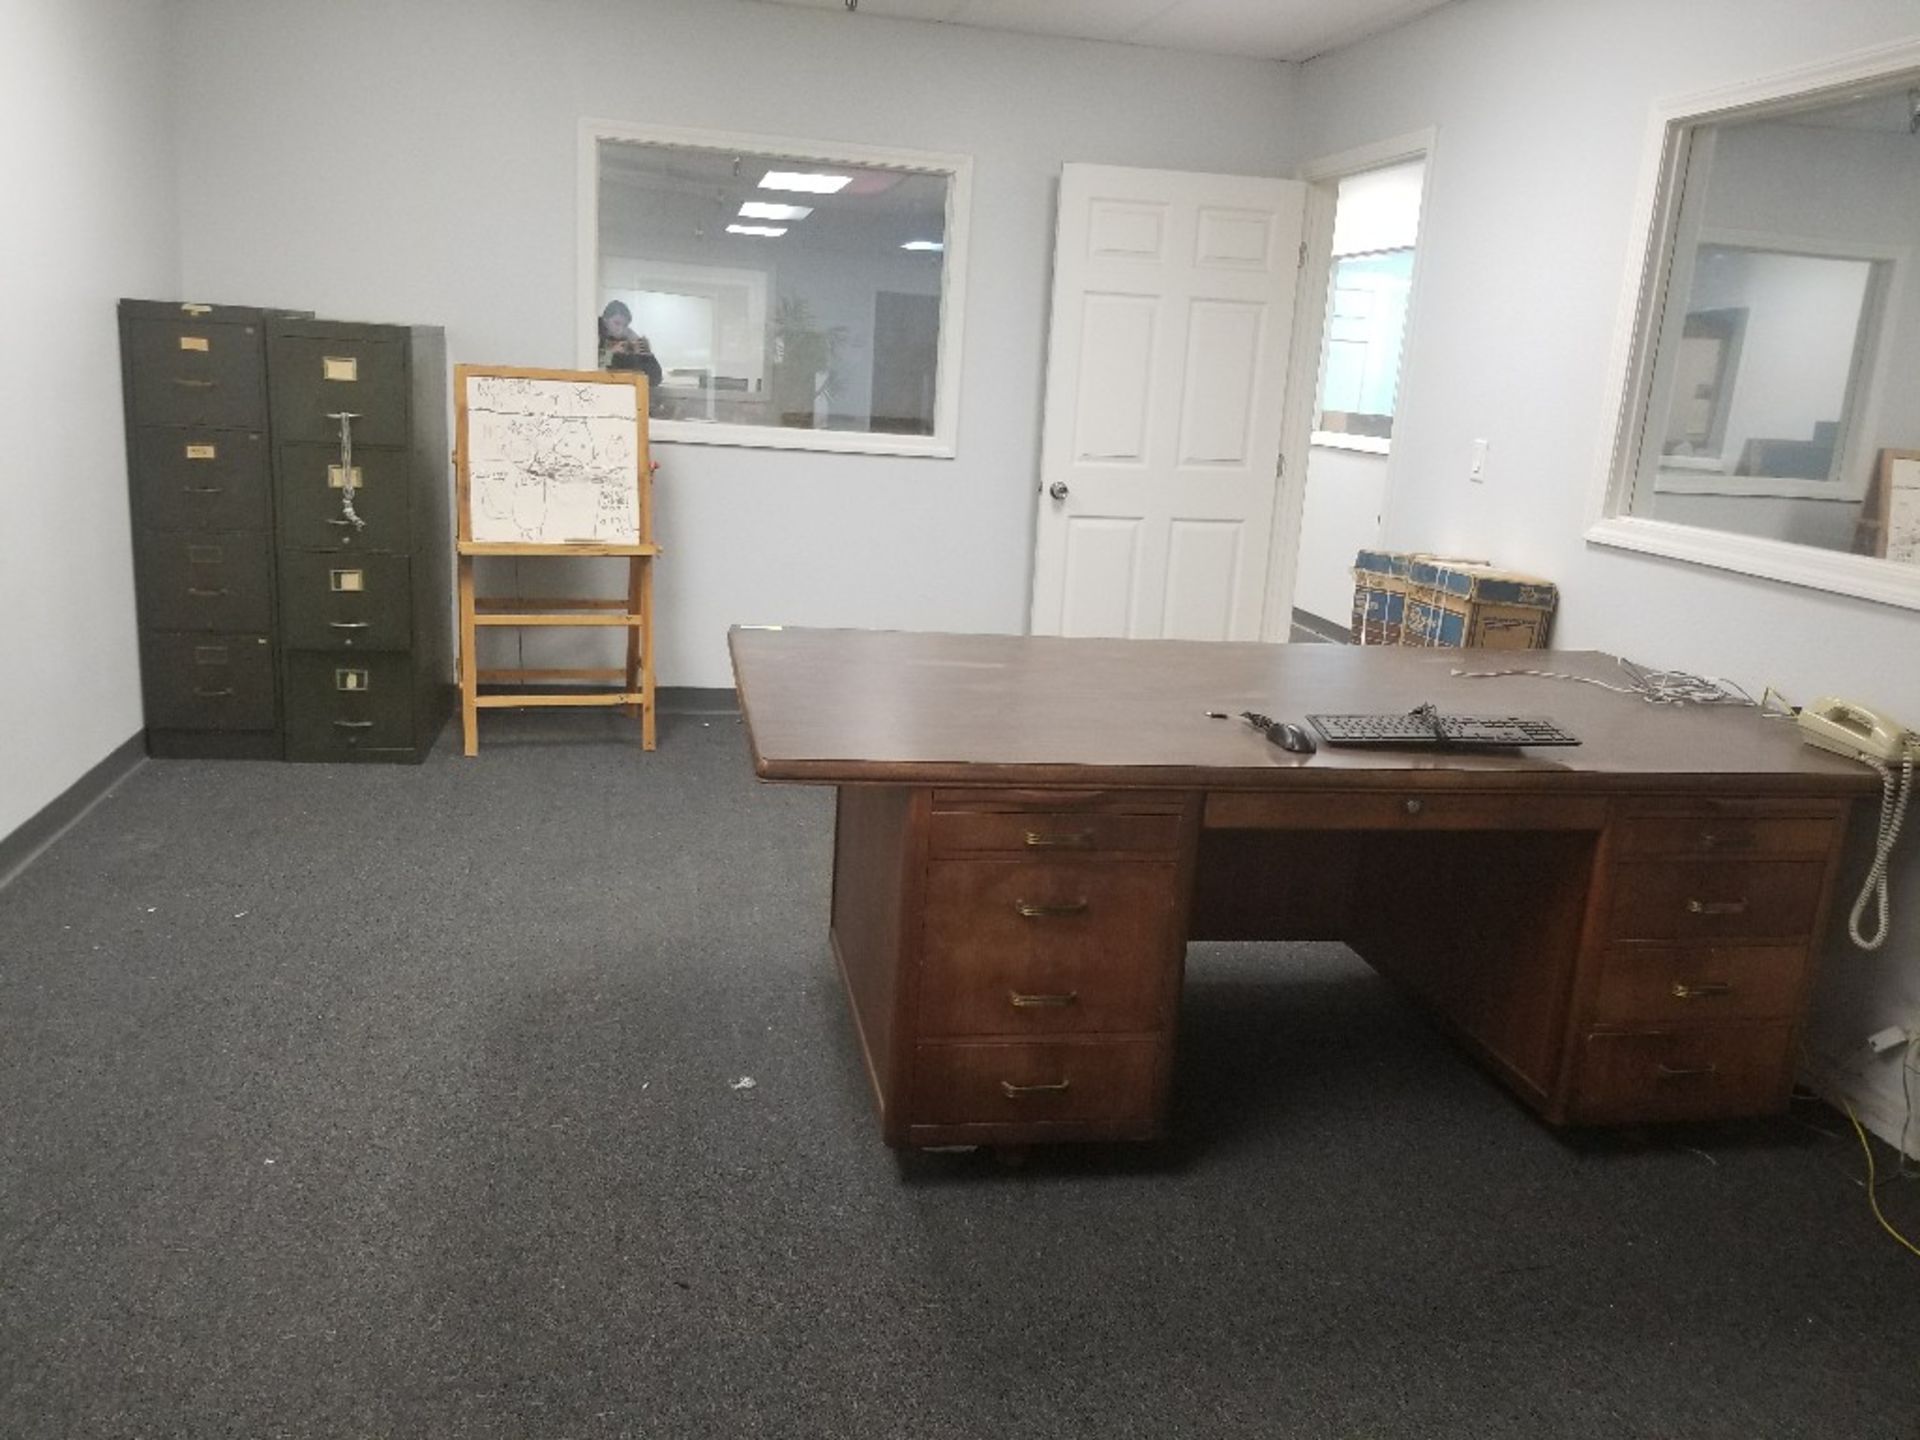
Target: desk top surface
<point>890,707</point>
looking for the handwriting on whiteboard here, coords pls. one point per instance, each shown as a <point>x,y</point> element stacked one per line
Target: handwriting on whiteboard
<point>552,462</point>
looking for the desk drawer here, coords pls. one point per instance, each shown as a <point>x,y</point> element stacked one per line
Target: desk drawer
<point>1110,1083</point>
<point>1401,810</point>
<point>1045,833</point>
<point>1691,983</point>
<point>1710,835</point>
<point>1698,1073</point>
<point>1706,899</point>
<point>1013,948</point>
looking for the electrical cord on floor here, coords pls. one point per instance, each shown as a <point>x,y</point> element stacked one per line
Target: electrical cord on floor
<point>1873,1197</point>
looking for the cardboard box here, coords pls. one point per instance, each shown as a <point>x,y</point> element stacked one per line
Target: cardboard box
<point>1379,596</point>
<point>1453,604</point>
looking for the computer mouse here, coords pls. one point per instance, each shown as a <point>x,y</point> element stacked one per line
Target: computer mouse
<point>1289,736</point>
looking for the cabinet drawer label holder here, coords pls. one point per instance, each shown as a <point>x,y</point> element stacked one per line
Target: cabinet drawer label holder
<point>339,367</point>
<point>347,582</point>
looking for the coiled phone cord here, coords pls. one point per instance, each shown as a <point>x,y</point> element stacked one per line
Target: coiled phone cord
<point>1894,794</point>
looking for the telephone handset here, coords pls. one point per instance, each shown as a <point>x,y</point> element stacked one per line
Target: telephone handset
<point>1861,734</point>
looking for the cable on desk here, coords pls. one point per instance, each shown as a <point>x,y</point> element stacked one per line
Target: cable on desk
<point>1873,1198</point>
<point>1656,687</point>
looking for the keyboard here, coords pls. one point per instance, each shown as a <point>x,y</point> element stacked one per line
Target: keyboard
<point>1425,729</point>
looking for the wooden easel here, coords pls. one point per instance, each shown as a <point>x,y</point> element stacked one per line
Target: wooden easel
<point>634,613</point>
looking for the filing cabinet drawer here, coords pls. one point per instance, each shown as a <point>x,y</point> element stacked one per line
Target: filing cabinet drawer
<point>340,707</point>
<point>345,602</point>
<point>194,372</point>
<point>1018,949</point>
<point>1698,1073</point>
<point>207,682</point>
<point>1686,900</point>
<point>312,516</point>
<point>1726,834</point>
<point>1691,983</point>
<point>319,370</point>
<point>1112,1084</point>
<point>205,582</point>
<point>1045,833</point>
<point>201,479</point>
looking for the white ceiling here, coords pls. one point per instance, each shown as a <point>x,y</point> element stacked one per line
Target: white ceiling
<point>1260,29</point>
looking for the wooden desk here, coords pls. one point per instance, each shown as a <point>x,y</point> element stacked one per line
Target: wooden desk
<point>1031,830</point>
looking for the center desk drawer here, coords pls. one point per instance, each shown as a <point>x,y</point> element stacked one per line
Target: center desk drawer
<point>1687,900</point>
<point>349,602</point>
<point>971,832</point>
<point>1109,1084</point>
<point>1401,810</point>
<point>1019,947</point>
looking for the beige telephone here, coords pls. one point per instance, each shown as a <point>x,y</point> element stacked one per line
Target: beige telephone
<point>1861,734</point>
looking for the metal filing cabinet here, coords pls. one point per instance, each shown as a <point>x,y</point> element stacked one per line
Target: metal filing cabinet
<point>199,466</point>
<point>362,505</point>
<point>294,580</point>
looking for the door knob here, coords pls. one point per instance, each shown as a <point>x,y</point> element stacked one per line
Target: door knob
<point>1058,489</point>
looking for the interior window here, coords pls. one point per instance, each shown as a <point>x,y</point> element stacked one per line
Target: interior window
<point>760,292</point>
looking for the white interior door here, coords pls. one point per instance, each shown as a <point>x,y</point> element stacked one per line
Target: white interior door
<point>1166,376</point>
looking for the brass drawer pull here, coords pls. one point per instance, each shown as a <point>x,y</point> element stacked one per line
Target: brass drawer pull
<point>1073,840</point>
<point>203,594</point>
<point>1716,907</point>
<point>213,694</point>
<point>354,724</point>
<point>1026,909</point>
<point>203,489</point>
<point>1043,1002</point>
<point>349,624</point>
<point>337,520</point>
<point>1414,806</point>
<point>1021,1092</point>
<point>1684,991</point>
<point>1696,1072</point>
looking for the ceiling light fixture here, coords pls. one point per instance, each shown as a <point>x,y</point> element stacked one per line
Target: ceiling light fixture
<point>804,182</point>
<point>767,210</point>
<point>925,245</point>
<point>767,230</point>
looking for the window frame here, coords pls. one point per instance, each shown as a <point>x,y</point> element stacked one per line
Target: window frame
<point>1673,131</point>
<point>942,444</point>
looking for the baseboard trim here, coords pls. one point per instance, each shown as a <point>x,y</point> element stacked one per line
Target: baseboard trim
<point>697,700</point>
<point>60,814</point>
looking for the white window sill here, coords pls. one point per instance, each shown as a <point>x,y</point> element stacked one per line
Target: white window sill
<point>1696,482</point>
<point>1833,571</point>
<point>773,437</point>
<point>1359,444</point>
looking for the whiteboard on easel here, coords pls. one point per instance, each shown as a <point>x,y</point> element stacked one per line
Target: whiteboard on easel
<point>552,457</point>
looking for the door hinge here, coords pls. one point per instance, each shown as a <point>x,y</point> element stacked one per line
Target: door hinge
<point>1280,467</point>
<point>1302,263</point>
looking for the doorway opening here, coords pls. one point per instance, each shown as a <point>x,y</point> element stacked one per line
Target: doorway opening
<point>1357,298</point>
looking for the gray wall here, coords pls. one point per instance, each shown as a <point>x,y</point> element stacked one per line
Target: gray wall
<point>86,166</point>
<point>417,162</point>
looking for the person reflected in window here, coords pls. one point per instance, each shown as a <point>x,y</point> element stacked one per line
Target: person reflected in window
<point>621,349</point>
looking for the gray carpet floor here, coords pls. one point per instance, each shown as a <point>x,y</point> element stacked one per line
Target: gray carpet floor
<point>409,1102</point>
